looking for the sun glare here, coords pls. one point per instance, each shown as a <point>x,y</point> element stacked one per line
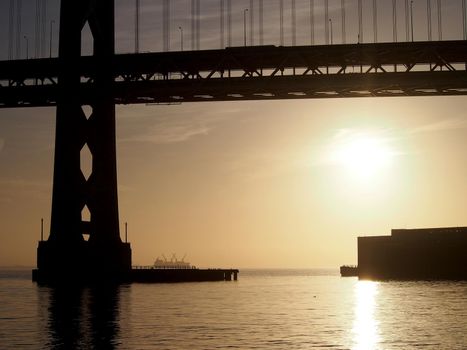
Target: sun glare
<point>365,328</point>
<point>362,154</point>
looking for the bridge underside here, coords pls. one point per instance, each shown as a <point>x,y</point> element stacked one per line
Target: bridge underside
<point>250,73</point>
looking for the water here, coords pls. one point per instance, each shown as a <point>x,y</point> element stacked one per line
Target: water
<point>265,309</point>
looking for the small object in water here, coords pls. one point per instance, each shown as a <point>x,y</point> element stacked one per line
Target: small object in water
<point>349,271</point>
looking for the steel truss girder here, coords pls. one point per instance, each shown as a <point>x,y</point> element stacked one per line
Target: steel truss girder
<point>258,88</point>
<point>217,75</point>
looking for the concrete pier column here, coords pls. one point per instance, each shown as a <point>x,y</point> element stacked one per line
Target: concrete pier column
<point>227,276</point>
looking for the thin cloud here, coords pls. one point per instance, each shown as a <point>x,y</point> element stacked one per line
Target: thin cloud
<point>181,131</point>
<point>14,188</point>
<point>444,125</point>
<point>254,167</point>
<point>2,143</point>
<point>175,129</point>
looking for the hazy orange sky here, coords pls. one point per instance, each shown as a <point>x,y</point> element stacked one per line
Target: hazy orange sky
<point>254,184</point>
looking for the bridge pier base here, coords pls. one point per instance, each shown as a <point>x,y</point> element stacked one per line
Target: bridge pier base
<point>83,262</point>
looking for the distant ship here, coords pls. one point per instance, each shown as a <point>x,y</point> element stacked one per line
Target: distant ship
<point>349,270</point>
<point>173,263</point>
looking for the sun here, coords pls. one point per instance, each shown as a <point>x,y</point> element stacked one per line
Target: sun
<point>362,154</point>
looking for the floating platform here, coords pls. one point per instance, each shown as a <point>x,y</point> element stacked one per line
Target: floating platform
<point>136,275</point>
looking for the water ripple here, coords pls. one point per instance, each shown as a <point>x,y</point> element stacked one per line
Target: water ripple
<point>286,309</point>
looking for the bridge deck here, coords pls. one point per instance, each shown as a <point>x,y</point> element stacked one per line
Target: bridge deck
<point>252,73</point>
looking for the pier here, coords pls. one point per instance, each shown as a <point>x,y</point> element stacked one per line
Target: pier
<point>151,275</point>
<point>138,274</point>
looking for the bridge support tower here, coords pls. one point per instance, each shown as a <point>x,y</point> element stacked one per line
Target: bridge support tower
<point>78,247</point>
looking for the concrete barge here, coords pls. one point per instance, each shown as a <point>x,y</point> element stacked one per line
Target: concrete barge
<point>414,254</point>
<point>137,275</point>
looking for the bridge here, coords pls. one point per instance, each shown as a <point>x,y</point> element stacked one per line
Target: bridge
<point>250,73</point>
<point>85,90</point>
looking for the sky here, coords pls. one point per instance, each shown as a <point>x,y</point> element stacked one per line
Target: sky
<point>271,184</point>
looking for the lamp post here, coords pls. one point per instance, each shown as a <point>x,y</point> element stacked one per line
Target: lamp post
<point>244,26</point>
<point>330,27</point>
<point>27,46</point>
<point>52,22</point>
<point>181,37</point>
<point>411,18</point>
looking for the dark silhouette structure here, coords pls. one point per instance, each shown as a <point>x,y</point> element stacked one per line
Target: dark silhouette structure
<point>76,248</point>
<point>80,248</point>
<point>434,68</point>
<point>412,254</point>
<point>348,271</point>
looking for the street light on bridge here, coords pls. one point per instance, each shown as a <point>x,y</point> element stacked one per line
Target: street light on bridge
<point>181,38</point>
<point>244,26</point>
<point>50,41</point>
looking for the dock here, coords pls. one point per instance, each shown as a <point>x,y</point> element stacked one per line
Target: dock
<point>138,274</point>
<point>143,274</point>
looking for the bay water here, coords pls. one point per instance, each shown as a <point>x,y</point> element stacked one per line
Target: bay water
<point>264,309</point>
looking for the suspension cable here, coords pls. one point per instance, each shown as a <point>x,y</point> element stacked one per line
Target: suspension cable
<point>261,23</point>
<point>18,28</point>
<point>360,21</point>
<point>343,21</point>
<point>428,18</point>
<point>252,22</point>
<point>137,26</point>
<point>221,24</point>
<point>326,21</point>
<point>394,20</point>
<point>407,21</point>
<point>281,21</point>
<point>11,29</point>
<point>375,21</point>
<point>294,23</point>
<point>440,22</point>
<point>312,22</point>
<point>464,20</point>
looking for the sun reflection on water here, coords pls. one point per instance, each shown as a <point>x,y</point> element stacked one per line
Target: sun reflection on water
<point>365,327</point>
